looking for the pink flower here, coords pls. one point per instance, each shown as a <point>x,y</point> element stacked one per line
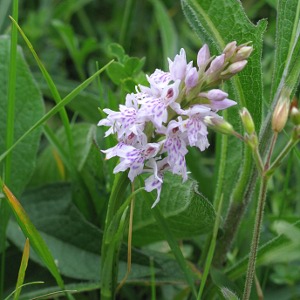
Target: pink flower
<point>155,181</point>
<point>134,158</point>
<point>175,146</point>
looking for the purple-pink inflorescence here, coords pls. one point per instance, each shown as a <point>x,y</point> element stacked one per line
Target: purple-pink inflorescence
<point>159,121</point>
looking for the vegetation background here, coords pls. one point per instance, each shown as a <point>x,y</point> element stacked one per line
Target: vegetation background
<point>65,192</point>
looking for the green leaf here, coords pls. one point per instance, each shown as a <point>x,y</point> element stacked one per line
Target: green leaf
<point>75,243</point>
<point>274,251</point>
<point>88,164</point>
<point>116,72</point>
<point>29,108</point>
<point>288,17</point>
<point>186,211</point>
<point>228,294</point>
<point>233,158</point>
<point>31,232</point>
<point>207,20</point>
<point>22,270</point>
<point>117,51</point>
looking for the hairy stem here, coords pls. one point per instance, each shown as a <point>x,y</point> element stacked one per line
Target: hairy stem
<point>255,237</point>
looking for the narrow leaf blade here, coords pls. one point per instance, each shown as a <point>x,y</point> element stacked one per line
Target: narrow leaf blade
<point>30,231</point>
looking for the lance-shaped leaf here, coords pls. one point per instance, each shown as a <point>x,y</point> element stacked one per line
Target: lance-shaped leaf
<point>287,41</point>
<point>186,211</point>
<point>28,110</point>
<point>22,270</point>
<point>31,232</point>
<point>218,22</point>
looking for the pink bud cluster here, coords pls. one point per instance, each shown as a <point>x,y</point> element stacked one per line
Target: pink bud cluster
<point>157,123</point>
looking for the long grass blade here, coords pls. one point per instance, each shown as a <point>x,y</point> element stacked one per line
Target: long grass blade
<point>53,90</point>
<point>22,270</point>
<point>10,119</point>
<point>25,284</point>
<point>31,232</point>
<point>56,108</point>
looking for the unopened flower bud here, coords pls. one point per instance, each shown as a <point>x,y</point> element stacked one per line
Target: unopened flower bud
<point>216,65</point>
<point>235,68</point>
<point>229,50</point>
<point>295,115</point>
<point>243,53</point>
<point>216,95</point>
<point>191,77</point>
<point>219,124</point>
<point>281,111</point>
<point>203,57</point>
<point>247,121</point>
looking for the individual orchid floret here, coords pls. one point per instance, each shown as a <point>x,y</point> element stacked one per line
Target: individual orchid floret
<point>110,122</point>
<point>133,158</point>
<point>196,128</point>
<point>175,146</point>
<point>156,108</point>
<point>159,79</point>
<point>178,67</point>
<point>155,181</point>
<point>125,121</point>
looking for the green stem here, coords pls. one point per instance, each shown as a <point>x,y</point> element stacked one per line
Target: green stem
<point>4,208</point>
<point>110,249</point>
<point>255,238</point>
<point>173,245</point>
<point>11,93</point>
<point>258,160</point>
<point>282,155</point>
<point>236,209</point>
<point>211,249</point>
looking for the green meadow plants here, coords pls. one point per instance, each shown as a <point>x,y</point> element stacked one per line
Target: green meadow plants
<point>149,149</point>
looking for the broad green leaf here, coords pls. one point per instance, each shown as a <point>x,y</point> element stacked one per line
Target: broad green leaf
<point>207,20</point>
<point>31,232</point>
<point>54,110</point>
<point>288,18</point>
<point>116,72</point>
<point>89,168</point>
<point>186,211</point>
<point>28,109</point>
<point>117,51</point>
<point>75,243</point>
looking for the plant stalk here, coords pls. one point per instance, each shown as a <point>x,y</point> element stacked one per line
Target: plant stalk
<point>255,238</point>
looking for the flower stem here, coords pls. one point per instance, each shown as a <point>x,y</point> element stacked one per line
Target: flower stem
<point>282,155</point>
<point>255,238</point>
<point>110,248</point>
